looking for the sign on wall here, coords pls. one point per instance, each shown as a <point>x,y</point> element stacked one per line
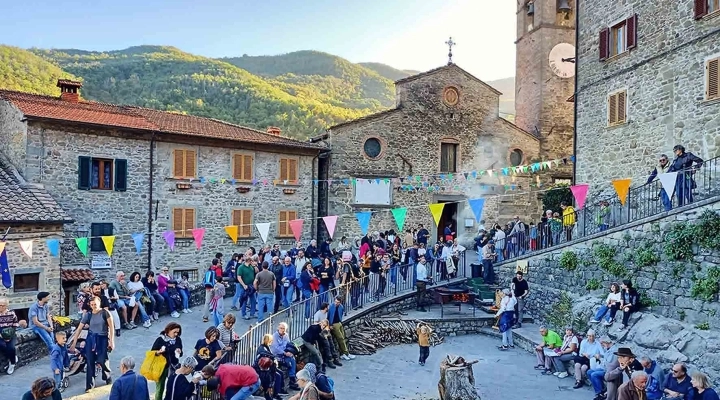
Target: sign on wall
<point>101,261</point>
<point>372,192</point>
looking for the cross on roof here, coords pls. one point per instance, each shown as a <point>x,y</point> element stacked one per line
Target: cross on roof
<point>450,44</point>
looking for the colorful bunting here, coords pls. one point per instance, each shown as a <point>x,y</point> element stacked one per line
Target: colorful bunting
<point>580,193</point>
<point>436,211</point>
<point>198,235</point>
<point>4,268</point>
<point>622,187</point>
<point>296,227</point>
<point>363,218</point>
<point>264,229</point>
<point>399,214</point>
<point>138,238</point>
<point>232,231</point>
<point>667,180</point>
<point>476,205</point>
<point>53,246</point>
<point>82,245</point>
<point>169,237</point>
<point>27,247</point>
<point>330,222</point>
<point>109,242</point>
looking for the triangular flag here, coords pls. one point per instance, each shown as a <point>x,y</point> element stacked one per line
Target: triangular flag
<point>264,229</point>
<point>198,235</point>
<point>82,244</point>
<point>138,238</point>
<point>232,231</point>
<point>580,193</point>
<point>296,227</point>
<point>4,268</point>
<point>26,247</point>
<point>667,180</point>
<point>399,214</point>
<point>476,205</point>
<point>53,246</point>
<point>622,187</point>
<point>108,241</point>
<point>330,222</point>
<point>169,237</point>
<point>363,218</point>
<point>436,211</point>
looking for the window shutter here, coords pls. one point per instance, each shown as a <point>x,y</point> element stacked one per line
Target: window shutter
<point>246,227</point>
<point>190,164</point>
<point>84,172</point>
<point>292,173</point>
<point>604,46</point>
<point>701,8</point>
<point>177,221</point>
<point>120,175</point>
<point>621,107</point>
<point>189,222</point>
<point>178,163</point>
<point>612,108</point>
<point>235,220</point>
<point>291,216</point>
<point>247,162</point>
<point>713,79</point>
<point>631,32</point>
<point>237,166</point>
<point>283,169</point>
<point>282,223</point>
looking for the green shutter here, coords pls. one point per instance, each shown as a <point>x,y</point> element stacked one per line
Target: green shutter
<point>120,175</point>
<point>84,172</point>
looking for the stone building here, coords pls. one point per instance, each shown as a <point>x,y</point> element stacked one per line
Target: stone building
<point>122,170</point>
<point>445,122</point>
<point>29,213</point>
<point>647,80</point>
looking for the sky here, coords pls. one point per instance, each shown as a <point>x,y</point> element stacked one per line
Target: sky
<point>404,34</point>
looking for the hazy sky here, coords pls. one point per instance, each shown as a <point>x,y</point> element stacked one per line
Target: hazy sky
<point>402,33</point>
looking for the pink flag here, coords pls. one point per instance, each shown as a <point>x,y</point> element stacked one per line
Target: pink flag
<point>580,192</point>
<point>198,234</point>
<point>296,227</point>
<point>169,237</point>
<point>330,222</point>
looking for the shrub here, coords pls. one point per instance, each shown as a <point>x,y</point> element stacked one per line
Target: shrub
<point>593,284</point>
<point>569,260</point>
<point>706,288</point>
<point>605,257</point>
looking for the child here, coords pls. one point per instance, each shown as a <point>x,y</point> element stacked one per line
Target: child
<point>183,288</point>
<point>59,358</point>
<point>533,236</point>
<point>423,332</point>
<point>216,304</point>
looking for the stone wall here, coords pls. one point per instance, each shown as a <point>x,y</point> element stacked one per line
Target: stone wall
<point>665,81</point>
<point>13,135</point>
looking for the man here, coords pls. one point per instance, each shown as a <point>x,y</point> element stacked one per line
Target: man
<point>335,315</point>
<point>568,219</point>
<point>422,235</point>
<point>685,164</point>
<point>123,298</point>
<point>518,237</point>
<point>287,282</point>
<point>656,378</point>
<point>130,386</point>
<point>499,242</point>
<point>422,277</point>
<point>662,168</point>
<point>265,286</point>
<point>634,389</point>
<point>41,320</point>
<point>280,345</point>
<point>521,290</point>
<point>8,325</point>
<point>677,384</point>
<point>276,267</point>
<point>326,248</point>
<point>108,300</point>
<point>325,342</point>
<point>233,382</point>
<point>312,250</point>
<point>552,341</point>
<point>626,363</point>
<point>489,254</point>
<point>597,374</point>
<point>300,261</point>
<point>246,277</point>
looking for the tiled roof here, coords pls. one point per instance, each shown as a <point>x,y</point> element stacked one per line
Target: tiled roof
<point>24,202</point>
<point>449,66</point>
<point>131,117</point>
<point>77,275</point>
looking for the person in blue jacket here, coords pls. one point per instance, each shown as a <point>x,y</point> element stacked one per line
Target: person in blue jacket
<point>130,386</point>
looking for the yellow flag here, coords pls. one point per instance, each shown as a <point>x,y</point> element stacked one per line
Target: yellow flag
<point>622,187</point>
<point>232,231</point>
<point>436,211</point>
<point>109,241</point>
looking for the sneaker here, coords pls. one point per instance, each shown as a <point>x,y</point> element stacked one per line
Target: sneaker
<point>185,311</point>
<point>11,369</point>
<point>350,356</point>
<point>621,328</point>
<point>556,373</point>
<point>205,319</point>
<point>578,385</point>
<point>133,325</point>
<point>345,357</point>
<point>608,323</point>
<point>189,310</point>
<point>540,367</point>
<point>147,324</point>
<point>128,326</point>
<point>548,372</point>
<point>594,321</point>
<point>245,317</point>
<point>422,363</point>
<point>563,375</point>
<point>175,314</point>
<point>234,308</point>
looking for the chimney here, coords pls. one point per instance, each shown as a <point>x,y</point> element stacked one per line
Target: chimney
<point>274,130</point>
<point>69,90</point>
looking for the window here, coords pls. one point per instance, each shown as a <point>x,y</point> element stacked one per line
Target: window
<point>284,223</point>
<point>448,157</point>
<point>102,174</point>
<point>618,38</point>
<point>705,7</point>
<point>617,108</point>
<point>713,5</point>
<point>243,219</point>
<point>183,222</point>
<point>288,169</point>
<point>712,79</point>
<point>372,148</point>
<point>193,275</point>
<point>562,181</point>
<point>26,282</point>
<point>96,231</point>
<point>184,163</point>
<point>243,167</point>
<point>516,157</point>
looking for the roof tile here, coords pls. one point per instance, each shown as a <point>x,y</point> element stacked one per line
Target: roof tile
<point>78,275</point>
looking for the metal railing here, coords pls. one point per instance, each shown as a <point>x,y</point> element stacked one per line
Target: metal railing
<point>596,216</point>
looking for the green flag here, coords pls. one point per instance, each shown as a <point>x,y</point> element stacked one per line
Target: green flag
<point>399,215</point>
<point>82,244</point>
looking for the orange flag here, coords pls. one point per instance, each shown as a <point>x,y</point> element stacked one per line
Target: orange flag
<point>622,187</point>
<point>232,231</point>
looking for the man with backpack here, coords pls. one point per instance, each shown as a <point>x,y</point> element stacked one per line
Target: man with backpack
<point>209,283</point>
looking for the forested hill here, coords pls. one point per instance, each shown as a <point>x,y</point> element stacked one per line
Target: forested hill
<point>24,71</point>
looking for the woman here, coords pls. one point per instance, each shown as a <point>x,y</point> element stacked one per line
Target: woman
<point>226,331</point>
<point>612,304</point>
<point>685,164</point>
<point>355,247</point>
<point>308,389</point>
<point>602,219</point>
<point>306,278</point>
<point>455,250</point>
<point>164,281</point>
<point>343,245</point>
<point>169,345</point>
<point>701,388</point>
<point>84,293</point>
<point>270,376</point>
<point>590,354</point>
<point>326,273</point>
<point>629,302</point>
<point>99,342</point>
<point>565,353</point>
<point>395,258</point>
<point>155,298</point>
<point>137,290</point>
<point>506,313</point>
<point>181,386</point>
<point>43,389</point>
<point>216,303</point>
<point>208,350</point>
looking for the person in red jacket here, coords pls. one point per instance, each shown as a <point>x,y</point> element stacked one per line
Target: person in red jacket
<point>234,382</point>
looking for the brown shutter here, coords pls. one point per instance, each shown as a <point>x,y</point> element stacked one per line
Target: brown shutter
<point>236,218</point>
<point>292,170</point>
<point>282,224</point>
<point>604,46</point>
<point>190,164</point>
<point>189,222</point>
<point>631,32</point>
<point>701,8</point>
<point>237,166</point>
<point>283,169</point>
<point>247,167</point>
<point>246,225</point>
<point>612,107</point>
<point>178,163</point>
<point>292,215</point>
<point>621,107</point>
<point>713,79</point>
<point>177,220</point>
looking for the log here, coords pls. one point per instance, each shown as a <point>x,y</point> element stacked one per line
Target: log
<point>457,381</point>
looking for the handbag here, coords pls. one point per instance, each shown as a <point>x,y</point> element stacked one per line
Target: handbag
<point>581,360</point>
<point>153,366</point>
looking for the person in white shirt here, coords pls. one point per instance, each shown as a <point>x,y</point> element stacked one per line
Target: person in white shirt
<point>422,277</point>
<point>612,304</point>
<point>499,242</point>
<point>300,262</point>
<point>488,256</point>
<point>455,250</point>
<point>506,312</point>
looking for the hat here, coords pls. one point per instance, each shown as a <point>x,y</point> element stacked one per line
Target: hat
<point>624,352</point>
<point>42,295</point>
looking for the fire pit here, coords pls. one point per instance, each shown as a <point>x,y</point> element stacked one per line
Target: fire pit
<point>455,296</point>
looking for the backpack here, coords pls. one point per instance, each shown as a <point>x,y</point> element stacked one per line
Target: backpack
<point>330,381</point>
<point>209,279</point>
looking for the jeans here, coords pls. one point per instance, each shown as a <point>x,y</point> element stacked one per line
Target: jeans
<point>236,297</point>
<point>7,348</point>
<point>262,301</point>
<point>488,274</point>
<point>667,203</point>
<point>243,393</point>
<point>507,338</point>
<point>218,316</point>
<point>44,335</point>
<point>155,301</point>
<point>315,356</point>
<point>603,312</point>
<point>287,297</point>
<point>170,303</point>
<point>393,274</point>
<point>58,378</point>
<point>603,227</point>
<point>185,296</point>
<point>141,307</point>
<point>424,353</point>
<point>307,295</point>
<point>251,302</point>
<point>556,238</point>
<point>290,362</point>
<point>559,362</point>
<point>597,378</point>
<point>499,253</point>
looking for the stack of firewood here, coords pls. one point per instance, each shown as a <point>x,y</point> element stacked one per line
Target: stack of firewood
<point>378,333</point>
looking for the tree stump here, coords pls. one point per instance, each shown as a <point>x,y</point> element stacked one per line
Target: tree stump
<point>457,381</point>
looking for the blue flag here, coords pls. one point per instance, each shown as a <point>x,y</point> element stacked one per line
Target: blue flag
<point>54,247</point>
<point>138,238</point>
<point>5,270</point>
<point>363,218</point>
<point>476,205</point>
